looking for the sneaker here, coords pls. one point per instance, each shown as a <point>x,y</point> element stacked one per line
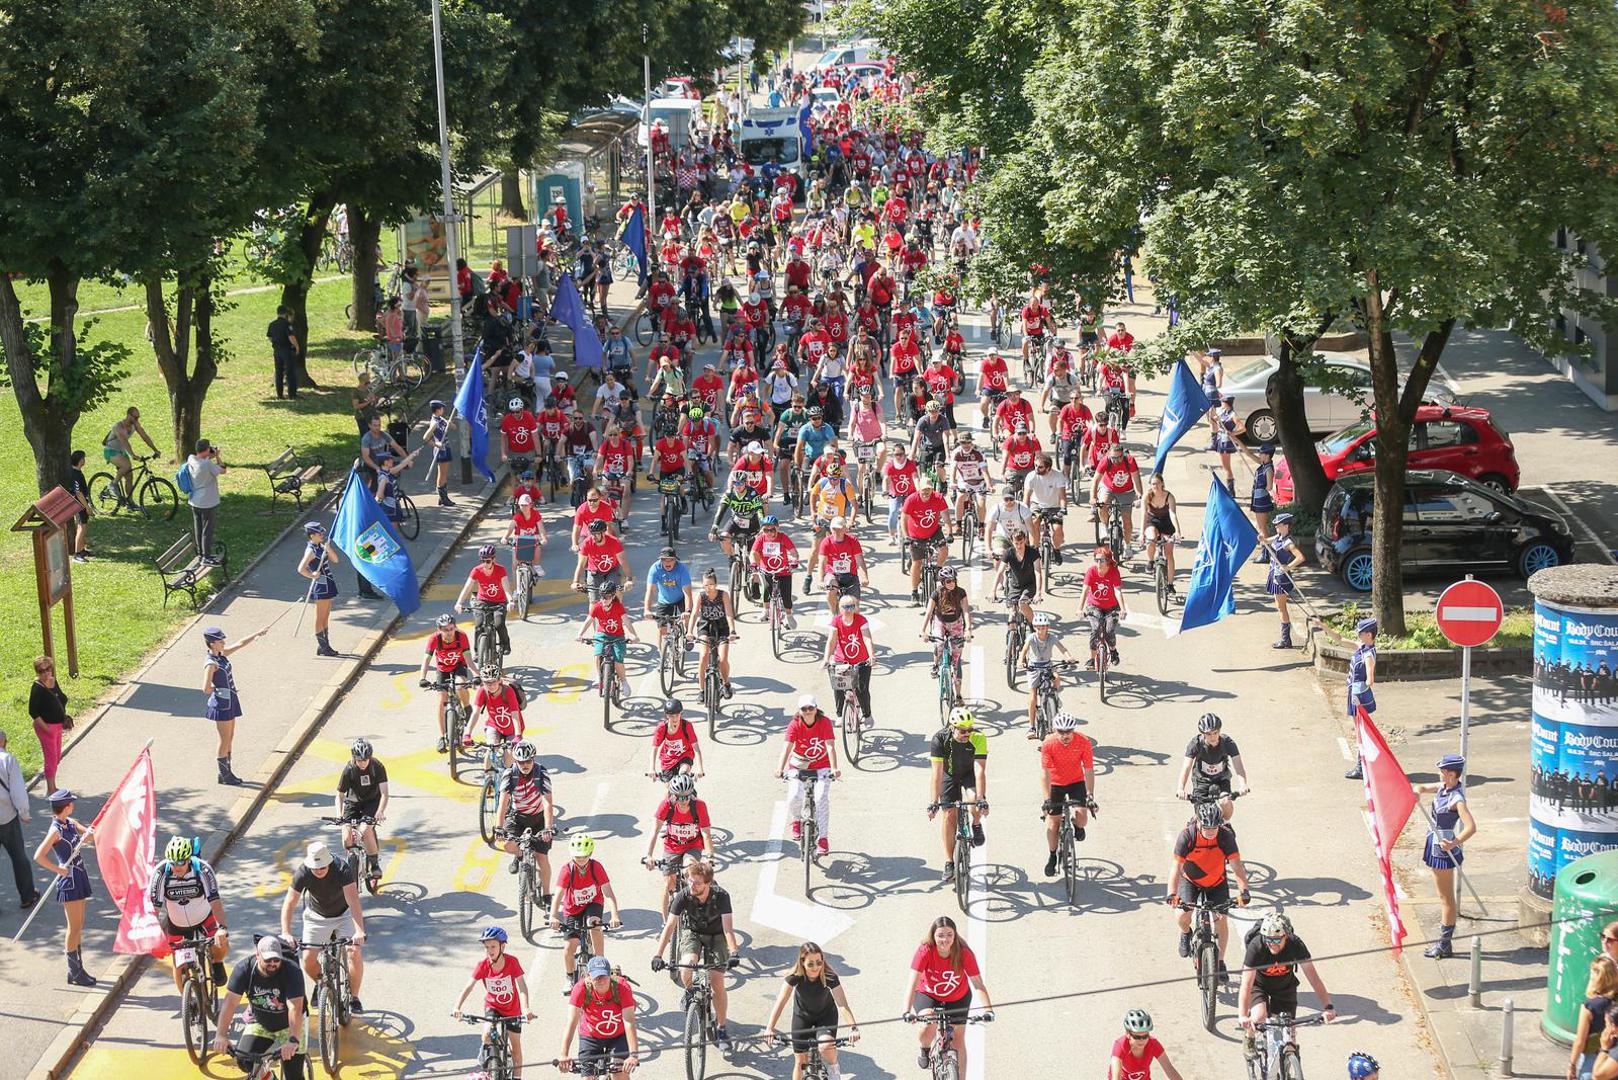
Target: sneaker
<point>443,745</point>
<point>791,623</point>
<point>1224,973</point>
<point>949,871</point>
<point>516,861</point>
<point>1033,733</point>
<point>314,999</point>
<point>1050,865</point>
<point>354,1005</point>
<point>1078,833</point>
<point>1056,554</point>
<point>721,1039</point>
<point>1439,950</point>
<point>823,846</point>
<point>923,1058</point>
<point>80,558</point>
<point>1185,943</point>
<point>978,839</point>
<point>797,830</point>
<point>1112,655</point>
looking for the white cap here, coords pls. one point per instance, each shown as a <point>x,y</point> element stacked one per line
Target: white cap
<point>755,448</point>
<point>317,856</point>
<point>839,522</point>
<point>808,701</point>
<point>268,948</point>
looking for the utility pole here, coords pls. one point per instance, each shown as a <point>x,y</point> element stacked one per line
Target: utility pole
<point>452,240</point>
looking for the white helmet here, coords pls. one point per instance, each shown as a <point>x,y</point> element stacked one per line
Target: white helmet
<point>1066,721</point>
<point>1043,618</point>
<point>516,404</point>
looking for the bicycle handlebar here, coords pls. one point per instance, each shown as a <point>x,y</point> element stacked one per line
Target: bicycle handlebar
<point>981,804</point>
<point>1282,1021</point>
<point>359,819</point>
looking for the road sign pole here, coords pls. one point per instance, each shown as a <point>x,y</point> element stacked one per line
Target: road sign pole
<point>1466,703</point>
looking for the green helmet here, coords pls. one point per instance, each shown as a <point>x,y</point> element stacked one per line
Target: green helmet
<point>180,849</point>
<point>696,412</point>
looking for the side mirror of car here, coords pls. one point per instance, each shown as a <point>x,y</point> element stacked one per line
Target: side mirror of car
<point>1493,517</point>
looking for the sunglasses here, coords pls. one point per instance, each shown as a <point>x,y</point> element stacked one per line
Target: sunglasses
<point>1273,940</point>
<point>1139,1038</point>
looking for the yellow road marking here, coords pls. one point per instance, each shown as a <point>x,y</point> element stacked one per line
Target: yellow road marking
<point>477,867</point>
<point>366,1052</point>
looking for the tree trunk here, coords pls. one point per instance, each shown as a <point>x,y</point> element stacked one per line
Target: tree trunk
<point>363,232</point>
<point>1284,395</point>
<point>511,204</point>
<point>295,291</point>
<point>188,383</point>
<point>48,418</point>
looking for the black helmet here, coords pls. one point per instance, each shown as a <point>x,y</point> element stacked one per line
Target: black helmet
<point>1209,722</point>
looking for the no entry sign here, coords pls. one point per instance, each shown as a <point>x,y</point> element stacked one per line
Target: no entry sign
<point>1469,613</point>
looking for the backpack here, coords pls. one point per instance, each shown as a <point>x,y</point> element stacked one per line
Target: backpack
<point>479,286</point>
<point>183,480</point>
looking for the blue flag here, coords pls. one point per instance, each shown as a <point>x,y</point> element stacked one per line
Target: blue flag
<point>1228,538</point>
<point>633,234</point>
<point>469,403</point>
<point>568,310</point>
<point>1184,409</point>
<point>363,533</point>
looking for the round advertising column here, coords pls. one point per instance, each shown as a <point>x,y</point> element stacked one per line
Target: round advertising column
<point>1573,747</point>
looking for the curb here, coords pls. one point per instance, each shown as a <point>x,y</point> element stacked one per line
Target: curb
<point>126,685</point>
<point>58,1058</point>
<point>1409,665</point>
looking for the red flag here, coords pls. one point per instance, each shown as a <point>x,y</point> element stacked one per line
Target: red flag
<point>1389,798</point>
<point>123,845</point>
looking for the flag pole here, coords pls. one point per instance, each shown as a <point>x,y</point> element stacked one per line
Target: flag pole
<point>89,831</point>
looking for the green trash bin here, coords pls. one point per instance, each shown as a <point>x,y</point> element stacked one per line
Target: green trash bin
<point>1585,901</point>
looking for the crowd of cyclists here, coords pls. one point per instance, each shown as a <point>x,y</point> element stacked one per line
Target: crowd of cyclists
<point>831,429</point>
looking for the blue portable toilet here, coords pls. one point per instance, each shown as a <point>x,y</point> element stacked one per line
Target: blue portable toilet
<point>565,178</point>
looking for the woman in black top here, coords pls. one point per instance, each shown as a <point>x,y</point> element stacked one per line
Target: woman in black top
<point>817,995</point>
<point>47,704</point>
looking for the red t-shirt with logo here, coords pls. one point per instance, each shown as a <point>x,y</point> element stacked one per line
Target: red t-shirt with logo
<point>939,980</point>
<point>576,888</point>
<point>901,478</point>
<point>838,555</point>
<point>602,511</point>
<point>1010,412</point>
<point>505,710</point>
<point>491,582</point>
<point>906,356</point>
<point>500,987</point>
<point>552,422</point>
<point>1101,589</point>
<point>924,515</point>
<point>674,746</point>
<point>609,617</point>
<point>1118,476</point>
<point>708,386</point>
<point>604,555</point>
<point>1136,1068</point>
<point>670,452</point>
<point>940,380</point>
<point>811,742</point>
<point>602,1017</point>
<point>994,372</point>
<point>682,830</point>
<point>448,655</point>
<point>519,430</point>
<point>1020,453</point>
<point>850,646</point>
<point>616,454</point>
<point>776,554</point>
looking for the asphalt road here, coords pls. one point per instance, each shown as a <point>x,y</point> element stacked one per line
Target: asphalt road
<point>1061,976</point>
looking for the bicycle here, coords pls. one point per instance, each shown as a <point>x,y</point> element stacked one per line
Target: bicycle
<point>962,857</point>
<point>552,469</point>
<point>943,1061</point>
<point>199,997</point>
<point>1067,853</point>
<point>262,1066</point>
<point>406,518</point>
<point>332,986</point>
<point>456,715</point>
<point>487,620</point>
<point>865,454</point>
<point>530,887</point>
<point>522,573</point>
<point>407,370</point>
<point>496,1061</point>
<point>1048,519</point>
<point>494,765</point>
<point>1162,583</point>
<point>948,672</point>
<point>607,685</point>
<point>671,655</point>
<point>1205,956</point>
<point>929,565</point>
<point>645,329</point>
<point>775,612</point>
<point>701,1028</point>
<point>1117,408</point>
<point>810,832</point>
<point>672,491</point>
<point>1279,1057</point>
<point>699,496</point>
<point>1016,635</point>
<point>1109,526</point>
<point>1048,701</point>
<point>969,525</point>
<point>815,1067</point>
<point>585,949</point>
<point>1101,649</point>
<point>353,828</point>
<point>153,496</point>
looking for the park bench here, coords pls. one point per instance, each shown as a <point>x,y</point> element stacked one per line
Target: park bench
<point>181,569</point>
<point>291,472</point>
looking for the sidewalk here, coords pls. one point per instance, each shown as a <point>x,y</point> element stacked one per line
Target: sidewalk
<point>286,693</point>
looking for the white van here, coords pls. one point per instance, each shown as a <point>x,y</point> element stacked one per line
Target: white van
<point>861,51</point>
<point>773,135</point>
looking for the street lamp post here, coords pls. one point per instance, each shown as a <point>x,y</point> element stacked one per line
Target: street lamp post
<point>451,238</point>
<point>651,156</point>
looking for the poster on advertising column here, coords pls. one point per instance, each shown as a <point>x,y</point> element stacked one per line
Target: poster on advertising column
<point>1573,791</point>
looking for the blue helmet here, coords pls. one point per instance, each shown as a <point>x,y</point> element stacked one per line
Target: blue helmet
<point>493,933</point>
<point>1361,1065</point>
<point>770,519</point>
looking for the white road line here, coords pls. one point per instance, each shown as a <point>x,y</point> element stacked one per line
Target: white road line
<point>1342,745</point>
<point>1147,618</point>
<point>793,917</point>
<point>977,936</point>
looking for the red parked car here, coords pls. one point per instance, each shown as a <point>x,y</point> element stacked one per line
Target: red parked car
<point>1457,438</point>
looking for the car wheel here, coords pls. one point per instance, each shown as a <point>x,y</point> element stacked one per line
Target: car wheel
<point>1496,481</point>
<point>1356,571</point>
<point>1535,556</point>
<point>1261,427</point>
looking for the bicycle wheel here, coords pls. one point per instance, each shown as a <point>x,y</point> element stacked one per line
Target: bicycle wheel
<point>1291,1064</point>
<point>853,731</point>
<point>776,624</point>
<point>525,588</point>
<point>1070,864</point>
<point>194,1019</point>
<point>609,678</point>
<point>362,359</point>
<point>1160,579</point>
<point>696,1039</point>
<point>963,869</point>
<point>808,846</point>
<point>452,734</point>
<point>328,1024</point>
<point>158,498</point>
<point>1014,641</point>
<point>944,1066</point>
<point>666,662</point>
<point>969,537</point>
<point>1047,561</point>
<point>680,644</point>
<point>488,803</point>
<point>712,694</point>
<point>1208,984</point>
<point>525,901</point>
<point>1045,716</point>
<point>104,494</point>
<point>413,371</point>
<point>736,582</point>
<point>644,329</point>
<point>1102,660</point>
<point>488,650</point>
<point>409,518</point>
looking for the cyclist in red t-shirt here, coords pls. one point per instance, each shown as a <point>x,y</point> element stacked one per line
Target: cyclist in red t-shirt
<point>492,599</point>
<point>450,655</point>
<point>505,992</point>
<point>582,892</point>
<point>1115,488</point>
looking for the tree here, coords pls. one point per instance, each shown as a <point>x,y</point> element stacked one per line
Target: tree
<point>95,189</point>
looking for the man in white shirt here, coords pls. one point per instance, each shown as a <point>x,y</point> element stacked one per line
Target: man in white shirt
<point>1008,516</point>
<point>13,815</point>
<point>205,468</point>
<point>1046,489</point>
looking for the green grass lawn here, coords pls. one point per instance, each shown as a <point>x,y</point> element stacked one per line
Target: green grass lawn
<point>119,601</point>
<point>1516,632</point>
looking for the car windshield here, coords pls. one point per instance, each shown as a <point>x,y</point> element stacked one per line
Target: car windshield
<point>1251,373</point>
<point>1339,441</point>
<point>760,151</point>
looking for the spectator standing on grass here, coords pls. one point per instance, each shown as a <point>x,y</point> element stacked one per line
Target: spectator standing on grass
<point>14,815</point>
<point>284,344</point>
<point>79,488</point>
<point>47,707</point>
<point>415,302</point>
<point>205,469</point>
<point>365,401</point>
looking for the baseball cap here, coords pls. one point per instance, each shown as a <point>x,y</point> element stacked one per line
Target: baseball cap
<point>268,948</point>
<point>598,966</point>
<point>807,701</point>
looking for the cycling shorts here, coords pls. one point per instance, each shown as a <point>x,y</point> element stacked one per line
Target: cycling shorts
<point>1215,895</point>
<point>1074,792</point>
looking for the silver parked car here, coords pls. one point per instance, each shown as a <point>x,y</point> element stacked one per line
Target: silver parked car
<point>1328,410</point>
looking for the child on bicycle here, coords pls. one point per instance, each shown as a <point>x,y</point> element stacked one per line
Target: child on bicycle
<point>526,534</point>
<point>612,629</point>
<point>1038,659</point>
<point>505,992</point>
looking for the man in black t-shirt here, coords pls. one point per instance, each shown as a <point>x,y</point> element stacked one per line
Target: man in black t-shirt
<point>331,909</point>
<point>284,345</point>
<point>1211,761</point>
<point>274,992</point>
<point>362,792</point>
<point>701,914</point>
<point>1274,957</point>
